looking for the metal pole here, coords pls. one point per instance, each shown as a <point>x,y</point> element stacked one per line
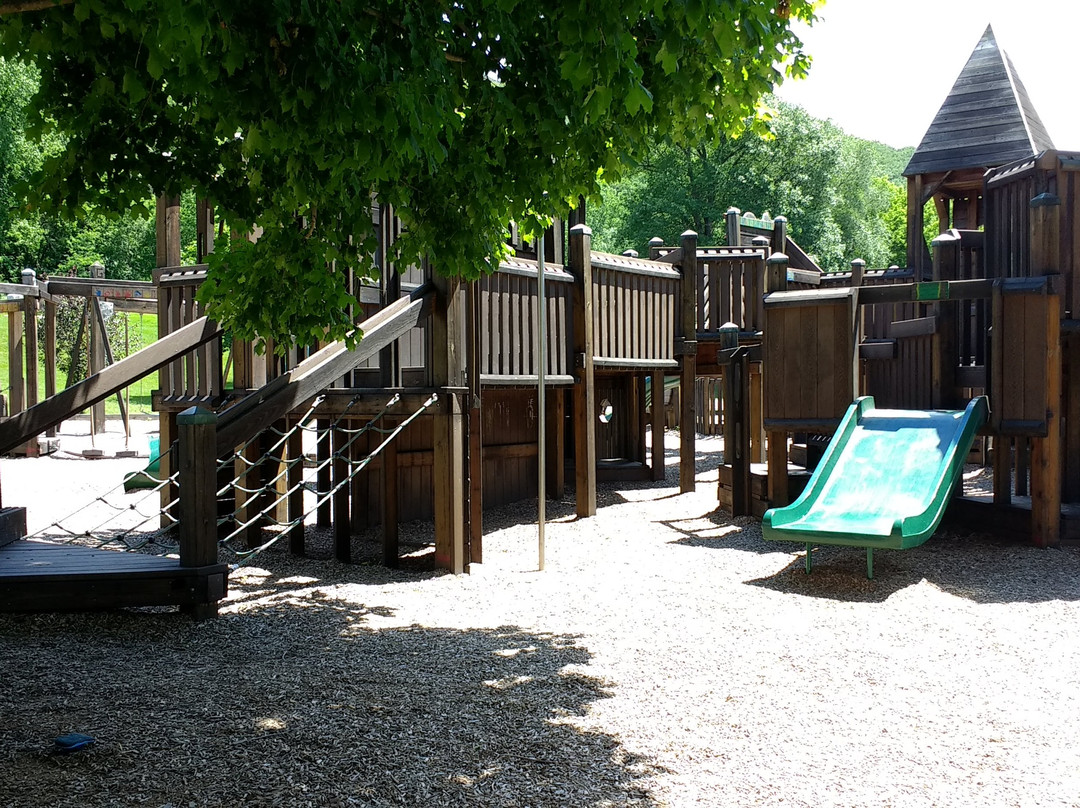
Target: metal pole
<point>541,431</point>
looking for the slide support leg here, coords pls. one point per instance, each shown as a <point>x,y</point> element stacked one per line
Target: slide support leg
<point>870,563</point>
<point>808,549</point>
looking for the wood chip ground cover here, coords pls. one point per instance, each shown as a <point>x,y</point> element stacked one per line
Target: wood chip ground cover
<point>668,656</point>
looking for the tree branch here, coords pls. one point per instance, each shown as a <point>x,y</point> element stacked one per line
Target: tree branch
<point>19,6</point>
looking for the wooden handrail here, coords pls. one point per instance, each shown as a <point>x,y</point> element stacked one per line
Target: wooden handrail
<point>259,410</point>
<point>78,397</point>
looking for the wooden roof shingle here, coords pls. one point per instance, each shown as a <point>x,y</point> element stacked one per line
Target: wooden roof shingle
<point>987,119</point>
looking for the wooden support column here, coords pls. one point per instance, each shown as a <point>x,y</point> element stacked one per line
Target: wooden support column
<point>16,381</point>
<point>737,436</point>
<point>198,507</point>
<point>247,471</point>
<point>96,362</point>
<point>166,254</point>
<point>50,356</point>
<point>448,355</point>
<point>30,328</point>
<point>295,477</point>
<point>657,458</point>
<point>580,265</point>
<point>945,352</point>
<point>916,245</point>
<point>1046,456</point>
<point>475,448</point>
<point>324,513</point>
<point>757,423</point>
<point>389,503</point>
<point>688,362</point>
<point>204,229</point>
<point>777,449</point>
<point>340,499</point>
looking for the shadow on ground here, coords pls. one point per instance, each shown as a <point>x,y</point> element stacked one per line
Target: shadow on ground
<point>973,566</point>
<point>301,700</point>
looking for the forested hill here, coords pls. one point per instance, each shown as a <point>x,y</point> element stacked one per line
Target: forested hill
<point>844,197</point>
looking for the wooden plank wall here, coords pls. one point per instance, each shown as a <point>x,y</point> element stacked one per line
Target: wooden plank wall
<point>808,363</point>
<point>635,305</point>
<point>731,288</point>
<point>509,418</point>
<point>509,336</point>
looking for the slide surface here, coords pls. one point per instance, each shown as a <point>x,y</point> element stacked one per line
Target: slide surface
<point>884,480</point>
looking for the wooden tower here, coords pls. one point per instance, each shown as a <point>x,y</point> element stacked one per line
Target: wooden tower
<point>987,120</point>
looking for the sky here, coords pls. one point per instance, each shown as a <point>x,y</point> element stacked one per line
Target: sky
<point>882,68</point>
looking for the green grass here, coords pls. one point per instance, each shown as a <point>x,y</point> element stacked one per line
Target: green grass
<point>137,396</point>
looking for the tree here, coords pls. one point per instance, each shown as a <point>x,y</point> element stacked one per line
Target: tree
<point>787,172</point>
<point>834,190</point>
<point>291,115</point>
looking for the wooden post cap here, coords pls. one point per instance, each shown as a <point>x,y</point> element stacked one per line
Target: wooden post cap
<point>580,230</point>
<point>1045,200</point>
<point>729,335</point>
<point>196,415</point>
<point>656,241</point>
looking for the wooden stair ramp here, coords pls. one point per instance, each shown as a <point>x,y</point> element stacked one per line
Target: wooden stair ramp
<point>47,576</point>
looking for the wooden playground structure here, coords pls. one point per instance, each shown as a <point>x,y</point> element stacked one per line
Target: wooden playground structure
<point>435,413</point>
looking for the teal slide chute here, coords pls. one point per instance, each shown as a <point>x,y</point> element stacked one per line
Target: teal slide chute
<point>884,480</point>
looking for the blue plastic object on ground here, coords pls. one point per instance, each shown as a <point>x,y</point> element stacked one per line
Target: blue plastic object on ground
<point>72,742</point>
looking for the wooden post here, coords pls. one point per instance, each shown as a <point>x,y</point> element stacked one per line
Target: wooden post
<point>167,253</point>
<point>688,362</point>
<point>448,349</point>
<point>657,458</point>
<point>167,233</point>
<point>16,380</point>
<point>779,240</point>
<point>204,229</point>
<point>30,325</point>
<point>50,356</point>
<point>247,470</point>
<point>916,245</point>
<point>389,503</point>
<point>323,514</point>
<point>1046,456</point>
<point>655,245</point>
<point>776,281</point>
<point>580,265</point>
<point>731,222</point>
<point>475,448</point>
<point>198,506</point>
<point>945,352</point>
<point>340,499</point>
<point>294,450</point>
<point>97,349</point>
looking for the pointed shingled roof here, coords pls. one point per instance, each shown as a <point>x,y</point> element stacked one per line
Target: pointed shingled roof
<point>987,119</point>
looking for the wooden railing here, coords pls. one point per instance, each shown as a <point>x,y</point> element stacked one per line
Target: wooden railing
<point>635,310</point>
<point>731,288</point>
<point>197,376</point>
<point>509,331</point>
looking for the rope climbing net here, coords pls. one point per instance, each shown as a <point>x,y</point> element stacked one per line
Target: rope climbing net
<point>267,476</point>
<point>266,481</point>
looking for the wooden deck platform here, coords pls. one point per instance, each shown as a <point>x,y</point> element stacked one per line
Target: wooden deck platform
<point>43,576</point>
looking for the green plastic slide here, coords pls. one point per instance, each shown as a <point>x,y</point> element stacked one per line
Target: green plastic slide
<point>884,480</point>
